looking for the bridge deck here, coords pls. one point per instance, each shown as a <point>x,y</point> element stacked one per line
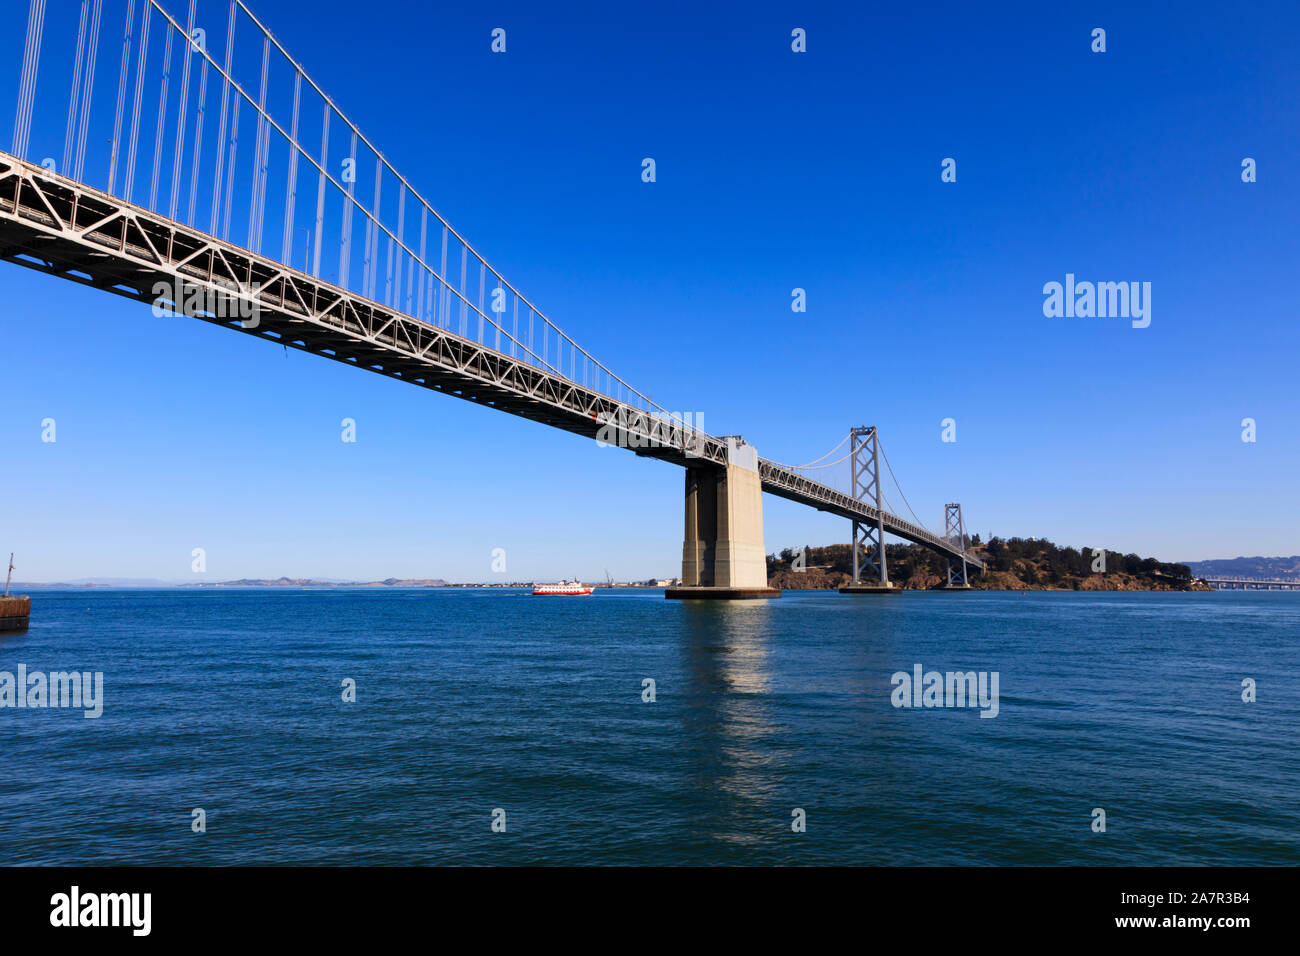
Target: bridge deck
<point>1253,584</point>
<point>69,230</point>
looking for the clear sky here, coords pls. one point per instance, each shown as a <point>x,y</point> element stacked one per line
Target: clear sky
<point>775,170</point>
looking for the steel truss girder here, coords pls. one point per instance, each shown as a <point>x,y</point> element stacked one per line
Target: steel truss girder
<point>66,229</point>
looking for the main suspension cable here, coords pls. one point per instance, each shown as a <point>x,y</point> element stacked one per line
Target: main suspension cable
<point>829,464</point>
<point>827,455</point>
<point>900,487</point>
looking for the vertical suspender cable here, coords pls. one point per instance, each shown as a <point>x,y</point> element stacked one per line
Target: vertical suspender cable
<point>291,194</point>
<point>424,231</point>
<point>392,276</point>
<point>187,50</point>
<point>162,114</point>
<point>410,283</point>
<point>140,63</point>
<point>198,140</point>
<point>365,256</point>
<point>221,132</point>
<point>393,281</point>
<point>74,95</point>
<point>370,279</point>
<point>230,168</point>
<point>31,65</point>
<point>121,96</point>
<point>88,90</point>
<point>257,203</point>
<point>427,293</point>
<point>345,238</point>
<point>445,314</point>
<point>374,235</point>
<point>482,281</point>
<point>464,303</point>
<point>320,189</point>
<point>229,191</point>
<point>27,87</point>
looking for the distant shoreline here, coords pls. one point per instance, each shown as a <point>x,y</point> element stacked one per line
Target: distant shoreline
<point>258,585</point>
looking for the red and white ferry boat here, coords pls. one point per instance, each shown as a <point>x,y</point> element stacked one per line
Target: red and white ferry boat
<point>564,587</point>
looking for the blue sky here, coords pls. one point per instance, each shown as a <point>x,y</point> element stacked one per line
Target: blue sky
<point>775,170</point>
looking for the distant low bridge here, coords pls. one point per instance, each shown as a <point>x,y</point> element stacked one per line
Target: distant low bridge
<point>1252,584</point>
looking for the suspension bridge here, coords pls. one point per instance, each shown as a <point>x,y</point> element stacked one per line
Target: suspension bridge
<point>180,213</point>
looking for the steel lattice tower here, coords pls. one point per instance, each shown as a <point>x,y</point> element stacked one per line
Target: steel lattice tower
<point>955,531</point>
<point>868,537</point>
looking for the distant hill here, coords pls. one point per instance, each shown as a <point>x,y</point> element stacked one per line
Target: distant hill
<point>100,583</point>
<point>317,583</point>
<point>1033,564</point>
<point>241,583</point>
<point>1285,568</point>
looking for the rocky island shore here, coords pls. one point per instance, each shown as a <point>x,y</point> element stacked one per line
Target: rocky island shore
<point>1014,564</point>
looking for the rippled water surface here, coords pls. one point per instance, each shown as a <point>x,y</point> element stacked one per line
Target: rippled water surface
<point>230,700</point>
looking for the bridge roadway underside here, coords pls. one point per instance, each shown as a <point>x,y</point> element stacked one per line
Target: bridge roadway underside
<point>64,229</point>
<point>69,230</point>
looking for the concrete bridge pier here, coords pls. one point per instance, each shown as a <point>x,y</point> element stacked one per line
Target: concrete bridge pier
<point>722,553</point>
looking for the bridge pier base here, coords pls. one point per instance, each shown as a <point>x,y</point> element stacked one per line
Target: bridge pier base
<point>886,588</point>
<point>722,554</point>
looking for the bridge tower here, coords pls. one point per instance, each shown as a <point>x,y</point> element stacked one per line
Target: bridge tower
<point>870,571</point>
<point>722,554</point>
<point>955,530</point>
